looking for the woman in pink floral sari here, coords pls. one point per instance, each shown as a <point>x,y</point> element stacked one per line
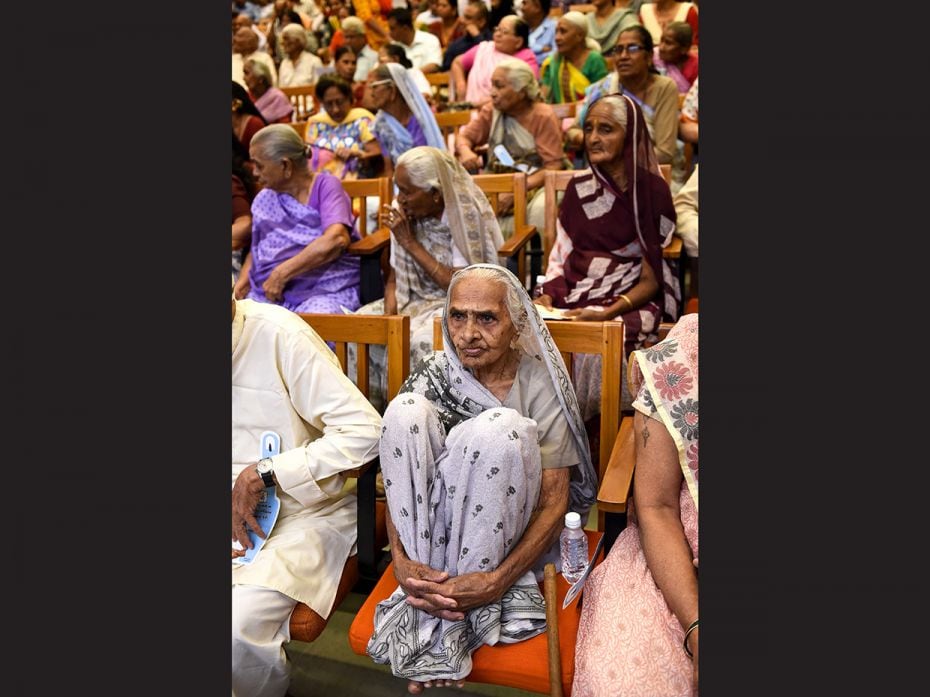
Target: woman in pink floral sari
<point>639,632</point>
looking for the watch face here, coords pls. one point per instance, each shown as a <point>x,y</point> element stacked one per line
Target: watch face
<point>264,466</point>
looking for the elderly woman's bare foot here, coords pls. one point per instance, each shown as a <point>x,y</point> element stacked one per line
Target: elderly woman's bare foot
<point>414,687</point>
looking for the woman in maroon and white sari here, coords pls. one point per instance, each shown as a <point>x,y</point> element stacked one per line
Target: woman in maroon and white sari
<point>614,220</point>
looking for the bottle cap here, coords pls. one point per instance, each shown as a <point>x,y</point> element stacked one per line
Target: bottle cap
<point>572,520</point>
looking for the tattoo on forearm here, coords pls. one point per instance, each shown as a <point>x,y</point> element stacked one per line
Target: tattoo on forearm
<point>645,430</point>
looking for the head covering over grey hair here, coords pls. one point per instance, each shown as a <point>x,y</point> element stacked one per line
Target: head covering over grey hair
<point>416,102</point>
<point>448,377</point>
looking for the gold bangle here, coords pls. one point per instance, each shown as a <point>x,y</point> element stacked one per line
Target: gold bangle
<point>628,301</point>
<point>435,268</point>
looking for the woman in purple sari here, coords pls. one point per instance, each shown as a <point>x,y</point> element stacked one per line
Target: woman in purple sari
<point>301,225</point>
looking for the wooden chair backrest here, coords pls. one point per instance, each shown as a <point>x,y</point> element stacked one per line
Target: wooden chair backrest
<point>300,127</point>
<point>583,8</point>
<point>392,331</point>
<point>565,110</point>
<point>360,190</point>
<point>441,83</point>
<point>493,185</point>
<point>450,122</point>
<point>303,99</point>
<point>602,338</point>
<point>556,181</point>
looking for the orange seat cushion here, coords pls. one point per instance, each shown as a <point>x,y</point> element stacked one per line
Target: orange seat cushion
<point>523,665</point>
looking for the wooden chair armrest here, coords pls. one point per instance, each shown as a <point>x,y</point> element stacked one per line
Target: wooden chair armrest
<point>372,243</point>
<point>517,241</point>
<point>618,478</point>
<point>673,249</point>
<point>550,593</point>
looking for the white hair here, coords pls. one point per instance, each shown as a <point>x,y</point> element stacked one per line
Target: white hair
<point>421,167</point>
<point>520,76</point>
<point>297,31</point>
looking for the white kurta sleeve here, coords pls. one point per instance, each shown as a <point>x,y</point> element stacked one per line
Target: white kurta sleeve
<point>332,405</point>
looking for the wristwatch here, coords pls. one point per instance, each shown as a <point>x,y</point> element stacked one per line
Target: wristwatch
<point>266,471</point>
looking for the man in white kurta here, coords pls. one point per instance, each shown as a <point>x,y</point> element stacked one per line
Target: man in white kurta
<point>286,379</point>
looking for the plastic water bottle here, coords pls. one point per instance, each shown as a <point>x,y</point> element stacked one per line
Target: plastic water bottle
<point>574,547</point>
<point>538,288</point>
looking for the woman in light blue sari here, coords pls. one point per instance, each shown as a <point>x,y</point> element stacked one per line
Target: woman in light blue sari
<point>404,119</point>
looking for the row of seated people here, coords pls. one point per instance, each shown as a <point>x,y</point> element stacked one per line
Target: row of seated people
<point>349,141</point>
<point>605,259</point>
<point>483,451</point>
<point>564,53</point>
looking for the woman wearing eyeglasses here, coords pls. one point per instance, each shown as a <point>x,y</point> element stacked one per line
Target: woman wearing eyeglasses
<point>636,77</point>
<point>339,134</point>
<point>404,119</point>
<point>471,72</point>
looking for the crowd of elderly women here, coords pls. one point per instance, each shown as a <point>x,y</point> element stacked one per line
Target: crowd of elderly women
<point>490,434</point>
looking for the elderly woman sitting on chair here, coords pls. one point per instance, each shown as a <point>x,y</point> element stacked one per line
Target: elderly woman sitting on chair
<point>606,260</point>
<point>440,223</point>
<point>482,451</point>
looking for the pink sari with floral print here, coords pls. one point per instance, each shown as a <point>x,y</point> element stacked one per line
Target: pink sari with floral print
<point>629,642</point>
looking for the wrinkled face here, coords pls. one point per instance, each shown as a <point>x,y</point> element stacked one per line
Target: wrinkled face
<point>472,16</point>
<point>669,49</point>
<point>444,9</point>
<point>603,135</point>
<point>633,60</point>
<point>505,37</point>
<point>503,96</point>
<point>252,81</point>
<point>291,44</point>
<point>336,104</point>
<point>480,324</point>
<point>271,174</point>
<point>345,66</point>
<point>567,36</point>
<point>245,41</point>
<point>417,203</point>
<point>380,92</point>
<point>355,41</point>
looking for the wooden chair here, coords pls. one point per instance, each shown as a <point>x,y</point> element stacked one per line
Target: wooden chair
<point>360,190</point>
<point>450,122</point>
<point>373,262</point>
<point>392,331</point>
<point>544,664</point>
<point>555,182</point>
<point>583,8</point>
<point>442,86</point>
<point>300,127</point>
<point>514,249</point>
<point>617,481</point>
<point>303,99</point>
